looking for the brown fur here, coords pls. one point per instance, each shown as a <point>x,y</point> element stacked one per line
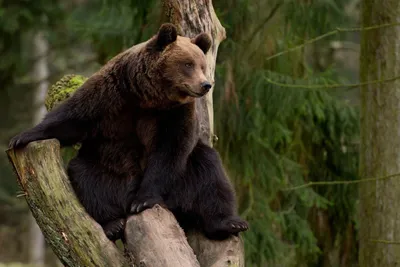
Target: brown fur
<point>140,140</point>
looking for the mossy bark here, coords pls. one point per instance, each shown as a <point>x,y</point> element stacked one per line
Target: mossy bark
<point>75,237</point>
<point>380,136</point>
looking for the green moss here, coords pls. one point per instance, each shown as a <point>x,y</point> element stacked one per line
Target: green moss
<point>60,91</point>
<point>63,89</point>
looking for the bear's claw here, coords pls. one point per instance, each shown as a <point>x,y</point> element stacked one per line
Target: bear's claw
<point>139,206</point>
<point>233,225</point>
<point>14,142</point>
<point>225,227</point>
<point>20,140</point>
<point>114,229</point>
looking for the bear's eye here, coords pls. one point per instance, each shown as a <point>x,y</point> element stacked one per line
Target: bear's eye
<point>189,65</point>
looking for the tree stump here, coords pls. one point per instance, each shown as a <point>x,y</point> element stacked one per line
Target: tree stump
<point>75,237</point>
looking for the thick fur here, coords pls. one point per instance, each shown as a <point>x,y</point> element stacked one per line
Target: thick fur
<point>136,121</point>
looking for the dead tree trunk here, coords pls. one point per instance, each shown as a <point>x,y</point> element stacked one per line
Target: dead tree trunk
<point>74,236</point>
<point>154,237</point>
<point>191,18</point>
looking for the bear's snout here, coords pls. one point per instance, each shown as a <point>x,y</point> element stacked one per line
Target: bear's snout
<point>206,86</point>
<point>200,90</point>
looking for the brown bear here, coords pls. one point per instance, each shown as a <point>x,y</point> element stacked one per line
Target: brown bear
<point>139,133</point>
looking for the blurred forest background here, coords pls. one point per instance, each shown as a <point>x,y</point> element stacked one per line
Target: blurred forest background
<point>280,123</point>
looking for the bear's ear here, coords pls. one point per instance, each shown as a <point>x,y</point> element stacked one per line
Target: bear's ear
<point>203,40</point>
<point>167,34</point>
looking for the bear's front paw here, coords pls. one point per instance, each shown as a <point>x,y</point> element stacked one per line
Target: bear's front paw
<point>20,141</point>
<point>114,230</point>
<point>142,203</point>
<point>234,225</point>
<point>225,227</point>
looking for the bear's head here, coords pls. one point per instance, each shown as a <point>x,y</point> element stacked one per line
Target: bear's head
<point>179,64</point>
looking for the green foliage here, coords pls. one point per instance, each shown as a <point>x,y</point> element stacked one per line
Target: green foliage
<point>114,27</point>
<point>273,138</point>
<point>325,14</point>
<point>16,19</point>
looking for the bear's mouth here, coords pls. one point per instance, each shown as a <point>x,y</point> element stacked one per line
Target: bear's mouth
<point>193,93</point>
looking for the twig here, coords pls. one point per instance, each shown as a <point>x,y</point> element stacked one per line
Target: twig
<point>336,31</point>
<point>265,21</point>
<point>388,242</point>
<point>319,183</point>
<point>330,86</point>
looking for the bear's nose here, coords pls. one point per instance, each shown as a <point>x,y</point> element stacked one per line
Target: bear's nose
<point>206,85</point>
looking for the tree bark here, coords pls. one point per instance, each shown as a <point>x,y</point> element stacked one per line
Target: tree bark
<point>191,18</point>
<point>380,136</point>
<point>75,237</point>
<point>40,72</point>
<point>162,241</point>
